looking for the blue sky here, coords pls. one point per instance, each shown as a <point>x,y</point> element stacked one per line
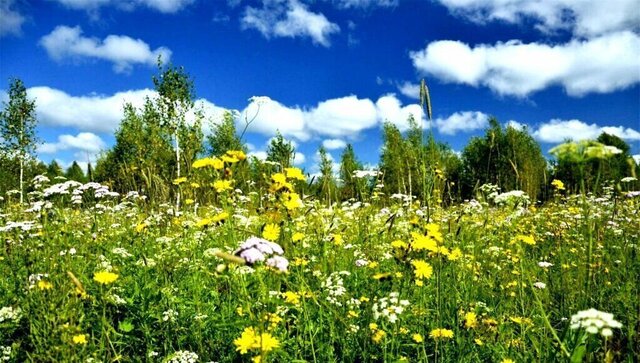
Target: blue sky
<point>330,71</point>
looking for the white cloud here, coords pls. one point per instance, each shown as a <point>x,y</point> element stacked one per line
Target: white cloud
<point>516,125</point>
<point>278,18</point>
<point>86,142</point>
<point>410,90</point>
<point>584,18</point>
<point>163,6</point>
<point>465,121</point>
<point>365,4</point>
<point>601,65</point>
<point>557,130</point>
<point>636,157</point>
<point>267,116</point>
<point>98,113</point>
<point>390,109</point>
<point>68,43</point>
<point>299,158</point>
<point>346,116</point>
<point>11,20</point>
<point>333,144</point>
<point>260,155</point>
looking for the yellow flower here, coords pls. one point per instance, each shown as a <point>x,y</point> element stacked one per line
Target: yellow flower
<point>507,360</point>
<point>421,242</point>
<point>337,239</point>
<point>44,285</point>
<point>179,180</point>
<point>141,226</point>
<point>378,336</point>
<point>105,277</point>
<point>417,338</point>
<point>279,178</point>
<point>526,239</point>
<point>294,173</point>
<point>222,185</point>
<point>297,237</point>
<point>238,154</point>
<point>268,342</point>
<point>422,269</point>
<point>557,184</point>
<point>291,297</point>
<point>246,341</point>
<point>80,339</point>
<point>455,254</point>
<point>212,162</point>
<point>292,201</point>
<point>229,159</point>
<point>399,244</point>
<point>441,333</point>
<point>271,232</point>
<point>433,230</point>
<point>470,320</point>
<point>203,222</point>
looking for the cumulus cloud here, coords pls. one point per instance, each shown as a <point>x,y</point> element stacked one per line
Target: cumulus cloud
<point>163,6</point>
<point>99,113</point>
<point>344,117</point>
<point>598,65</point>
<point>462,121</point>
<point>66,42</point>
<point>278,18</point>
<point>557,130</point>
<point>299,158</point>
<point>636,157</point>
<point>267,116</point>
<point>85,142</point>
<point>11,20</point>
<point>334,144</point>
<point>410,90</point>
<point>584,18</point>
<point>390,109</point>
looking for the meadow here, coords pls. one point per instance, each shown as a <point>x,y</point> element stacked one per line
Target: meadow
<point>89,275</point>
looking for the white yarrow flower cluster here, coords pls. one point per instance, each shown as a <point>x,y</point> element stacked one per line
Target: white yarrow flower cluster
<point>183,356</point>
<point>334,286</point>
<point>389,307</point>
<point>595,322</point>
<point>256,249</point>
<point>8,313</point>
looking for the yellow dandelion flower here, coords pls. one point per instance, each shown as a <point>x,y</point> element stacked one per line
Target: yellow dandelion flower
<point>291,297</point>
<point>441,333</point>
<point>297,237</point>
<point>105,277</point>
<point>422,269</point>
<point>470,320</point>
<point>455,254</point>
<point>378,336</point>
<point>179,181</point>
<point>222,185</point>
<point>238,154</point>
<point>271,232</point>
<point>294,173</point>
<point>399,244</point>
<point>417,338</point>
<point>45,285</point>
<point>557,184</point>
<point>526,239</point>
<point>433,231</point>
<point>246,341</point>
<point>279,178</point>
<point>507,360</point>
<point>292,201</point>
<point>268,342</point>
<point>422,242</point>
<point>80,339</point>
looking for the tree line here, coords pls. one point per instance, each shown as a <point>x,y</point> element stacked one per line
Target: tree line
<point>157,144</point>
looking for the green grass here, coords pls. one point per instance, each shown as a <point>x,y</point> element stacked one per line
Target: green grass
<point>174,293</point>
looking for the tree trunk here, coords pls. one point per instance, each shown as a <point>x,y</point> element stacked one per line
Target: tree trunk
<point>21,177</point>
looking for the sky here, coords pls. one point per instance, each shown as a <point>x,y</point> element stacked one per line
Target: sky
<point>329,72</point>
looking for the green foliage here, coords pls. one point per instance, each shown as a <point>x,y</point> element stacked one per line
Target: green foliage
<point>351,187</point>
<point>18,128</point>
<point>509,158</point>
<point>280,151</point>
<point>224,136</point>
<point>75,172</point>
<point>326,183</point>
<point>53,170</point>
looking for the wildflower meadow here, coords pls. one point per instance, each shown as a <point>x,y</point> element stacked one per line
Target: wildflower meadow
<point>91,275</point>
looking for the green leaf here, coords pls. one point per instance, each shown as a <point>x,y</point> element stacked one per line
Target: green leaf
<point>125,326</point>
